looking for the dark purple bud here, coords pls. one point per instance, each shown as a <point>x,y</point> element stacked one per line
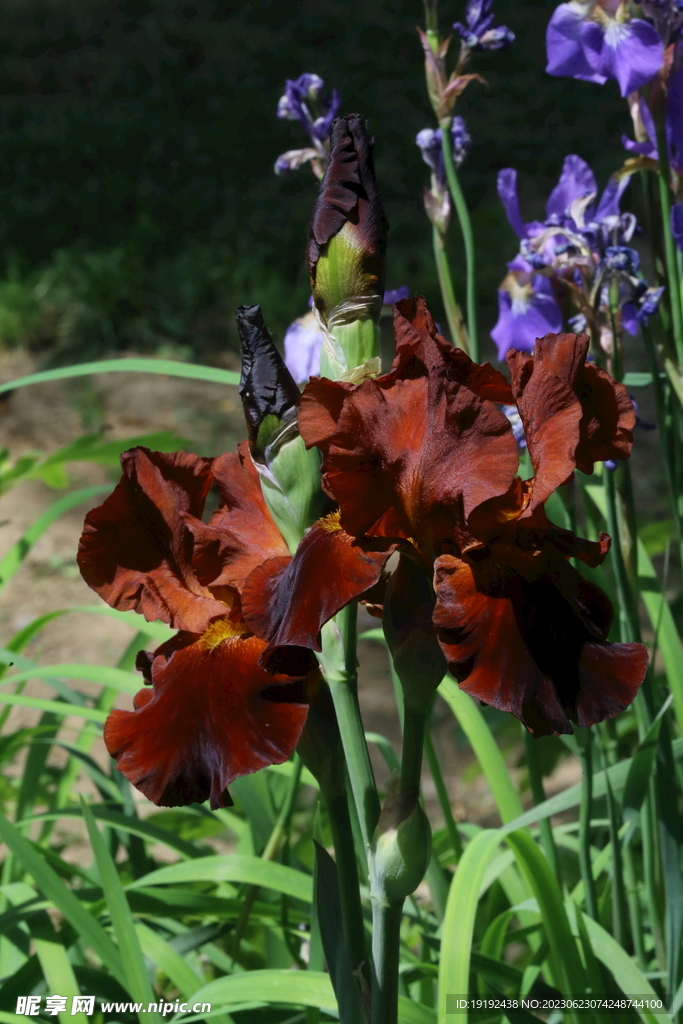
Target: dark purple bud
<point>266,387</point>
<point>622,257</point>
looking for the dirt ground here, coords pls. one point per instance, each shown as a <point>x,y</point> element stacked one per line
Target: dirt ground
<point>47,416</point>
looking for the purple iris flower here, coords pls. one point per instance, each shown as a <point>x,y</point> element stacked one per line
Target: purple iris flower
<point>677,224</point>
<point>515,420</point>
<point>393,295</point>
<point>479,33</point>
<point>429,141</point>
<point>596,40</point>
<point>303,342</point>
<point>674,115</point>
<point>304,100</point>
<point>527,309</point>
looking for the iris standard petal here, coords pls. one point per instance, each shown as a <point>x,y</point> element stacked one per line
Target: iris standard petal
<point>564,45</point>
<point>136,549</point>
<point>576,181</point>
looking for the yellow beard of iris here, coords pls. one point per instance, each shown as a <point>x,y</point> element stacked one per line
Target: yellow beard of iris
<point>222,629</point>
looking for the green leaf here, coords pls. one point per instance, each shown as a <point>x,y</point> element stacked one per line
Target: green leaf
<point>57,707</point>
<point>564,955</point>
<point>168,960</point>
<point>657,536</point>
<point>637,380</point>
<point>301,988</point>
<point>132,960</point>
<point>169,367</point>
<point>59,975</point>
<point>640,773</point>
<point>458,924</point>
<point>485,748</point>
<point>328,909</point>
<point>626,972</point>
<point>571,797</point>
<point>116,678</point>
<point>234,867</point>
<point>64,900</point>
<point>18,552</point>
<point>414,1013</point>
<point>145,829</point>
<point>668,641</point>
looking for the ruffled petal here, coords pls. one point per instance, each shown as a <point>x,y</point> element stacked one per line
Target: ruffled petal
<point>427,450</point>
<point>574,413</point>
<point>213,714</point>
<point>421,350</point>
<point>576,181</point>
<point>532,648</point>
<point>135,551</point>
<point>564,46</point>
<point>241,533</point>
<point>288,602</point>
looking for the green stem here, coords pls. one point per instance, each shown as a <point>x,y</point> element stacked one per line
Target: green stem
<point>349,892</point>
<point>585,742</point>
<point>338,660</point>
<point>456,324</point>
<point>468,238</point>
<point>536,781</point>
<point>411,754</point>
<point>634,911</point>
<point>386,946</point>
<point>670,260</point>
<point>627,607</point>
<point>442,794</point>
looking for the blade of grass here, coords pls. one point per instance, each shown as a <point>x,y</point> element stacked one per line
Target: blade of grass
<point>565,961</point>
<point>485,748</point>
<point>59,974</point>
<point>168,367</point>
<point>302,988</point>
<point>458,924</point>
<point>234,867</point>
<point>64,900</point>
<point>132,960</point>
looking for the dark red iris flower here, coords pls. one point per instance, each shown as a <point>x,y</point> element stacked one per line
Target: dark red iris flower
<point>421,460</point>
<point>212,712</point>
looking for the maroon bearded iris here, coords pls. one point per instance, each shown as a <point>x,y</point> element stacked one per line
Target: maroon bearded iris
<point>423,462</point>
<point>212,713</point>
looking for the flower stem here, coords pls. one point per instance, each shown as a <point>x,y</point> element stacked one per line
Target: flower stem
<point>468,239</point>
<point>670,260</point>
<point>386,946</point>
<point>338,660</point>
<point>352,911</point>
<point>411,755</point>
<point>456,324</point>
<point>536,782</point>
<point>585,741</point>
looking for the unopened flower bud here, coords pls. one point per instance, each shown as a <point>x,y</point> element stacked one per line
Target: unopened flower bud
<point>346,250</point>
<point>290,475</point>
<point>401,847</point>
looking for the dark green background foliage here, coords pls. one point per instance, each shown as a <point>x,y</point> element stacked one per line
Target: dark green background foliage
<point>138,140</point>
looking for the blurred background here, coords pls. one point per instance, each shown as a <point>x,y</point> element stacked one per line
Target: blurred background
<point>138,203</point>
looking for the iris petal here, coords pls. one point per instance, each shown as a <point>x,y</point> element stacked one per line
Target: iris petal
<point>213,715</point>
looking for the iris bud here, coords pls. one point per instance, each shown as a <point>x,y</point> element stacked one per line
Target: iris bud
<point>346,254</point>
<point>401,847</point>
<point>290,475</point>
